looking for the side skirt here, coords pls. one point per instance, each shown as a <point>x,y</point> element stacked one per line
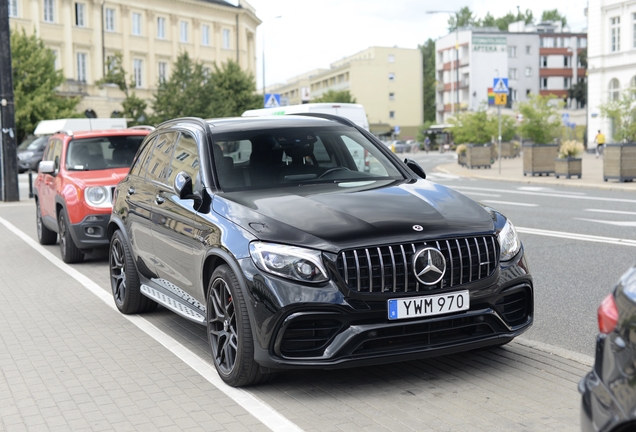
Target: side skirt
<point>171,301</point>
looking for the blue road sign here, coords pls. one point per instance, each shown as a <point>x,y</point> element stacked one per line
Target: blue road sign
<point>272,100</point>
<point>500,85</point>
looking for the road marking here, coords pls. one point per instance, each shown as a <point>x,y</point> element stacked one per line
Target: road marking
<point>573,236</point>
<point>444,176</point>
<point>552,195</point>
<point>482,194</point>
<point>547,189</point>
<point>510,203</point>
<point>607,222</point>
<point>612,211</point>
<point>248,401</point>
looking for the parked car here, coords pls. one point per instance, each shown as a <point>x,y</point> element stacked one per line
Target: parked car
<point>30,153</point>
<point>609,390</point>
<point>298,257</point>
<point>73,188</point>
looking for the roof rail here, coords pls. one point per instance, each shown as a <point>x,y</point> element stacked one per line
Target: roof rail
<point>339,119</point>
<point>65,131</point>
<point>204,124</point>
<point>143,127</point>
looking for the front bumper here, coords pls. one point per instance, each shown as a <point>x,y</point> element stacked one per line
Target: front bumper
<point>304,326</point>
<point>91,232</point>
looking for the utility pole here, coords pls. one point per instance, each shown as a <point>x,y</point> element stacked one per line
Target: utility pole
<point>8,153</point>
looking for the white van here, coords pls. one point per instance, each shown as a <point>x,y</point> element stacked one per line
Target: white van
<point>49,127</point>
<point>354,112</point>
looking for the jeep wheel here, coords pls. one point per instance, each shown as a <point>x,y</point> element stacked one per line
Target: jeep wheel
<point>124,280</point>
<point>229,331</point>
<point>70,253</point>
<point>45,235</point>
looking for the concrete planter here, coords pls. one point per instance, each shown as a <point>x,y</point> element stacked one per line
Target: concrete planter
<point>568,167</point>
<point>461,159</point>
<point>539,158</point>
<point>619,162</point>
<point>478,156</point>
<point>509,150</point>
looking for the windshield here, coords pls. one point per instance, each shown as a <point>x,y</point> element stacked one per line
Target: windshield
<point>102,152</point>
<point>298,156</point>
<point>33,143</point>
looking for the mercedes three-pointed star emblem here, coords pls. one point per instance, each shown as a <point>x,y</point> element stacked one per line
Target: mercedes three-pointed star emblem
<point>429,265</point>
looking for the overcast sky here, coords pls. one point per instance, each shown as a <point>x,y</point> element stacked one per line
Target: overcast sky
<point>314,33</point>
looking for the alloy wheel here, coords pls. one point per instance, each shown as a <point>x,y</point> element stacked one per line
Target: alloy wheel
<point>118,271</point>
<point>222,330</point>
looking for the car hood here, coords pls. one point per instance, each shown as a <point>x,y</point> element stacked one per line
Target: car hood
<point>107,177</point>
<point>339,216</point>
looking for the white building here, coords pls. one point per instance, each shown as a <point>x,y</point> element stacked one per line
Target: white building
<point>611,58</point>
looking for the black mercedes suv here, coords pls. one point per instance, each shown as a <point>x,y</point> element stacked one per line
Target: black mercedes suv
<point>301,241</point>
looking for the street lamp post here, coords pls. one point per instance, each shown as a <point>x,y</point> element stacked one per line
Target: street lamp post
<point>456,58</point>
<point>279,16</point>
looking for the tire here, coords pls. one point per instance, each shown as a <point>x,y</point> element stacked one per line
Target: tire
<point>124,279</point>
<point>45,235</point>
<point>229,331</point>
<point>70,253</point>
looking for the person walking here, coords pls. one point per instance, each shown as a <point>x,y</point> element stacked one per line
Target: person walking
<point>427,144</point>
<point>600,143</point>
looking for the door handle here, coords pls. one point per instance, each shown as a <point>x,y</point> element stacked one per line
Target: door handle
<point>159,199</point>
<point>131,191</point>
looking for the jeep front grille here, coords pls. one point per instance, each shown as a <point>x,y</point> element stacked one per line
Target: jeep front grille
<point>390,268</point>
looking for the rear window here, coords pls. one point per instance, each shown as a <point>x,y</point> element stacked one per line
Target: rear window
<point>89,154</point>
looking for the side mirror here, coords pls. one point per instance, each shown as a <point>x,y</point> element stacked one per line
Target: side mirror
<point>46,167</point>
<point>415,167</point>
<point>183,187</point>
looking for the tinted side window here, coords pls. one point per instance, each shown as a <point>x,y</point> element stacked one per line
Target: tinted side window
<point>139,165</point>
<point>56,154</point>
<point>186,159</point>
<point>159,161</point>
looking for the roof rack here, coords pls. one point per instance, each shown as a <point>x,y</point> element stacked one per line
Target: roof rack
<point>339,119</point>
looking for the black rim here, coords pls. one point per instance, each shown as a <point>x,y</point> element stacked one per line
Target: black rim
<point>118,271</point>
<point>63,234</point>
<point>222,326</point>
<point>38,218</point>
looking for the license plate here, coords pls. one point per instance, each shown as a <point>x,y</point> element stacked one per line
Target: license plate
<point>414,307</point>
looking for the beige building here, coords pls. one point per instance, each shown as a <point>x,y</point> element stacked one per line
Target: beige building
<point>150,34</point>
<point>386,81</point>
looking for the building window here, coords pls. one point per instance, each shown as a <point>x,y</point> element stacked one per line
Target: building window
<point>544,61</point>
<point>528,49</point>
<point>582,42</point>
<point>226,39</point>
<point>163,71</point>
<point>512,51</point>
<point>615,25</point>
<point>634,29</point>
<point>56,60</point>
<point>544,83</point>
<point>13,8</point>
<point>136,24</point>
<point>632,87</point>
<point>528,71</point>
<point>567,61</point>
<point>547,42</point>
<point>566,42</point>
<point>80,14</point>
<point>513,95</point>
<point>81,67</point>
<point>567,82</point>
<point>49,11</point>
<point>392,114</point>
<point>137,72</point>
<point>161,28</point>
<point>614,90</point>
<point>109,25</point>
<point>392,57</point>
<point>183,31</point>
<point>205,35</point>
<point>528,92</point>
<point>512,73</point>
<point>392,96</point>
<point>391,76</point>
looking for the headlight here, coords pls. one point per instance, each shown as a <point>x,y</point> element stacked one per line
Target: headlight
<point>289,261</point>
<point>98,196</point>
<point>509,241</point>
<point>25,155</point>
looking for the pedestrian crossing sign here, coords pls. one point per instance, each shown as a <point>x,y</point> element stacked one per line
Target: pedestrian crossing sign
<point>272,100</point>
<point>501,98</point>
<point>500,85</point>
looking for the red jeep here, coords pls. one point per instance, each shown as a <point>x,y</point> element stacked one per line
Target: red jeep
<point>74,186</point>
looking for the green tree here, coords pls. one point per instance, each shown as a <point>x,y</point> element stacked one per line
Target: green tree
<point>472,127</point>
<point>35,80</point>
<point>185,94</point>
<point>428,58</point>
<point>463,18</point>
<point>541,121</point>
<point>232,91</point>
<point>622,114</point>
<point>553,15</point>
<point>134,108</point>
<point>421,131</point>
<point>335,96</point>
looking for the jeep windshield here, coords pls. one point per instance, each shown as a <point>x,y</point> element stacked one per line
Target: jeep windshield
<point>88,154</point>
<point>275,158</point>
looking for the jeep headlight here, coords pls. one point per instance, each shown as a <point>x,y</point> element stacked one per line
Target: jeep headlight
<point>98,196</point>
<point>509,241</point>
<point>289,261</point>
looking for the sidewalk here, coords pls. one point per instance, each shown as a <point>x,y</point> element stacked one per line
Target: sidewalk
<point>512,170</point>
